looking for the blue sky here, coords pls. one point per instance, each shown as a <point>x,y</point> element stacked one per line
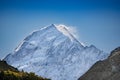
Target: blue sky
<point>97,21</point>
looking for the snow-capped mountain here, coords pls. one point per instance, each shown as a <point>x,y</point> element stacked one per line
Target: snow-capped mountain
<point>53,52</point>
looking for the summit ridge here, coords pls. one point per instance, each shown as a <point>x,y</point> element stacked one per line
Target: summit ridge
<point>53,52</point>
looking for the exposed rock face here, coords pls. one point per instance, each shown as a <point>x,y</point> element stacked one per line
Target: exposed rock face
<point>108,69</point>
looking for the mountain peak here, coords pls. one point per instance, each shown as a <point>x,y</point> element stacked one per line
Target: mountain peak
<point>53,25</point>
<point>53,52</point>
<point>64,29</point>
<point>60,28</point>
<point>92,46</point>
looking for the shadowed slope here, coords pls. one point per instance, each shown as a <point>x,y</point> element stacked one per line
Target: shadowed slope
<point>108,69</point>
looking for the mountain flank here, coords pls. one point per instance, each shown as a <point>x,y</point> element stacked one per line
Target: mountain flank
<point>108,69</point>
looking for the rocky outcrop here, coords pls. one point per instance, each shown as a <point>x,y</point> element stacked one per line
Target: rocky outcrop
<point>108,69</point>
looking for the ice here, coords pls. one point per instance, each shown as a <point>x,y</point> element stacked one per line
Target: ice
<point>53,52</point>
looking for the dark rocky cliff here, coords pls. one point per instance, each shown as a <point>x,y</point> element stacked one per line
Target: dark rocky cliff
<point>108,69</point>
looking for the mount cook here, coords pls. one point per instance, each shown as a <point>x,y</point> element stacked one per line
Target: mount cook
<point>53,52</point>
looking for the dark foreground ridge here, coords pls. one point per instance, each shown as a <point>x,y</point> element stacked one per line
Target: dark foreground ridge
<point>8,72</point>
<point>108,69</point>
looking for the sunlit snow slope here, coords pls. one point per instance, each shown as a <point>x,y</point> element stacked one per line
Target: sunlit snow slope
<point>53,52</point>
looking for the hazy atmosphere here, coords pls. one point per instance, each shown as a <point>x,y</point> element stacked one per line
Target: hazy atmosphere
<point>97,21</point>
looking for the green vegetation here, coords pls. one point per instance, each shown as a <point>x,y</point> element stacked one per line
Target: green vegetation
<point>11,75</point>
<point>8,72</point>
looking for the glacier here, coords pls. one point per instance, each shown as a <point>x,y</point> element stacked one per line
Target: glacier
<point>53,52</point>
